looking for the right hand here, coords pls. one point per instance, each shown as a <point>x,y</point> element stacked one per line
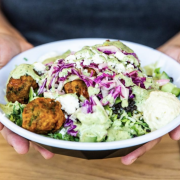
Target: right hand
<point>174,52</point>
<point>10,46</point>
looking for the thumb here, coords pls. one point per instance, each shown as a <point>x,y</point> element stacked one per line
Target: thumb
<point>11,46</point>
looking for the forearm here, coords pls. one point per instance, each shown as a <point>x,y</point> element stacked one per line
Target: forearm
<point>7,28</point>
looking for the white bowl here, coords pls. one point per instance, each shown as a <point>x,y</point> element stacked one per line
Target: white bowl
<point>146,55</point>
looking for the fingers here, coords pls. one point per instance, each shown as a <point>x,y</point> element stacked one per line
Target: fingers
<point>1,126</point>
<point>44,152</point>
<point>131,157</point>
<point>175,134</point>
<point>20,144</point>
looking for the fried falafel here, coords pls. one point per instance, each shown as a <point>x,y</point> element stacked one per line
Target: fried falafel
<point>90,70</point>
<point>78,87</point>
<point>18,89</point>
<point>42,116</point>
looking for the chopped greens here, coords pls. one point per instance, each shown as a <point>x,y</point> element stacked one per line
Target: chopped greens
<point>66,137</point>
<point>101,91</point>
<point>130,122</point>
<point>16,115</point>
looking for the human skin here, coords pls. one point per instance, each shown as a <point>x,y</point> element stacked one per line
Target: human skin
<point>13,43</point>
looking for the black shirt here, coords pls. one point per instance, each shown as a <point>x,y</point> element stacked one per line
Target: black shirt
<point>148,22</point>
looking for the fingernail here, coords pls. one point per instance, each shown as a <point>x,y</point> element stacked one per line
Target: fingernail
<point>133,160</point>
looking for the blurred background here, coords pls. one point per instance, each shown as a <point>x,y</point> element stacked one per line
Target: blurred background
<point>146,22</point>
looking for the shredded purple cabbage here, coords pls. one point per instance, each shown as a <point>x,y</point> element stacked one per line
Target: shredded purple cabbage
<point>70,125</point>
<point>102,67</point>
<point>123,81</point>
<point>48,65</point>
<point>64,78</point>
<point>113,49</point>
<point>62,65</point>
<point>92,65</point>
<point>88,105</point>
<point>117,92</point>
<point>131,95</point>
<point>57,69</point>
<point>87,80</point>
<point>102,76</point>
<point>108,49</point>
<point>133,54</point>
<point>114,93</point>
<point>106,84</point>
<point>100,96</point>
<point>41,89</point>
<point>50,84</point>
<point>139,81</point>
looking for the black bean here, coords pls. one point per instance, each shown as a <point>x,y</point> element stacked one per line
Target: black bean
<point>171,79</point>
<point>135,107</point>
<point>132,103</point>
<point>148,130</point>
<point>117,109</point>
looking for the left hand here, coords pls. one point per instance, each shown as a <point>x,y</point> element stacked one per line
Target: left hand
<point>11,45</point>
<point>174,52</point>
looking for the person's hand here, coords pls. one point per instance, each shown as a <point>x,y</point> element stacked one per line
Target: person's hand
<point>174,52</point>
<point>9,47</point>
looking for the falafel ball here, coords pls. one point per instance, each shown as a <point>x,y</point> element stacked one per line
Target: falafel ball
<point>77,86</point>
<point>42,116</point>
<point>90,70</point>
<point>18,89</point>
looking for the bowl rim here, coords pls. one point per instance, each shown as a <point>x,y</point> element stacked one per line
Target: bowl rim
<point>87,146</point>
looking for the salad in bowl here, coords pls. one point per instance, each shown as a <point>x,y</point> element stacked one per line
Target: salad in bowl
<point>97,94</point>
